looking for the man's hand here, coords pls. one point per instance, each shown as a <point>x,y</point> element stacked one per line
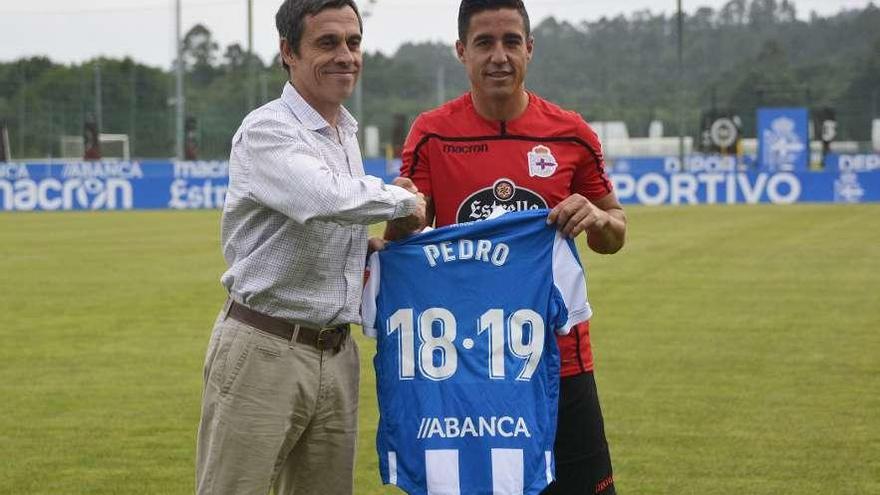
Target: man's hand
<point>405,183</point>
<point>605,222</point>
<point>375,244</point>
<point>402,227</point>
<point>576,214</point>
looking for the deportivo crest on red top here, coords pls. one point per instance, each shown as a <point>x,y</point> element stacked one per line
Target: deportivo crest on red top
<point>542,163</point>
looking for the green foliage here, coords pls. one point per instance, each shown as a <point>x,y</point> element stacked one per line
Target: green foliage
<point>736,351</point>
<point>746,54</point>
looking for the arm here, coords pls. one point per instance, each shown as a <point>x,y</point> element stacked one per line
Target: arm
<point>601,217</point>
<point>288,176</point>
<point>604,221</point>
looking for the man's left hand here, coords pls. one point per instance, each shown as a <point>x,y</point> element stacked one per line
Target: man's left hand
<point>375,244</point>
<point>576,214</point>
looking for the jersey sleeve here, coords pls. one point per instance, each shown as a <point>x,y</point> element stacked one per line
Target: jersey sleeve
<point>371,292</point>
<point>590,178</point>
<point>570,286</point>
<point>416,162</point>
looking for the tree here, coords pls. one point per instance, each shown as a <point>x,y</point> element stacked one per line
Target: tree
<point>235,57</point>
<point>862,96</point>
<point>199,53</point>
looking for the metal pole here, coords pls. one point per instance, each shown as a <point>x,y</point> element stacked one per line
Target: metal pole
<point>250,51</point>
<point>179,100</point>
<point>22,91</point>
<point>132,109</point>
<point>99,111</point>
<point>264,88</point>
<point>366,10</point>
<point>49,134</point>
<point>680,87</point>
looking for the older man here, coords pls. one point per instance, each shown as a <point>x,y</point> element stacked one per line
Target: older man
<point>281,372</point>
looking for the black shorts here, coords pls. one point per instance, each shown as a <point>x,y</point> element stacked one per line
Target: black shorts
<point>583,462</point>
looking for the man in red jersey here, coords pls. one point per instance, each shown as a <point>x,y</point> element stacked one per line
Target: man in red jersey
<point>501,145</point>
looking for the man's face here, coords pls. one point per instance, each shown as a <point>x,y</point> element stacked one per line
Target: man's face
<point>496,53</point>
<point>329,60</point>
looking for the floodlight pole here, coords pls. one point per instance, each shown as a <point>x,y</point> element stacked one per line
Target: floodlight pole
<point>179,100</point>
<point>366,10</point>
<point>250,52</point>
<point>681,87</point>
<point>99,111</point>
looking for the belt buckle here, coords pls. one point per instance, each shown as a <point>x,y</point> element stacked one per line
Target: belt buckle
<point>323,337</point>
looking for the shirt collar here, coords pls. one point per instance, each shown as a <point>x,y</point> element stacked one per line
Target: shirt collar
<point>310,117</point>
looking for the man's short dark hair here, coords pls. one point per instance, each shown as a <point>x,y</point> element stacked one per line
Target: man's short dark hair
<point>470,8</point>
<point>291,17</point>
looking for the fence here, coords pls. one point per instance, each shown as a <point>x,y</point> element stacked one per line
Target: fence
<point>202,185</point>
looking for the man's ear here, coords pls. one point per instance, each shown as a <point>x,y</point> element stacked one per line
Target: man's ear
<point>530,46</point>
<point>459,50</point>
<point>286,52</point>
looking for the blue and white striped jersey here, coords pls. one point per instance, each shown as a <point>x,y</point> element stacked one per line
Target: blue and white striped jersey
<point>467,369</point>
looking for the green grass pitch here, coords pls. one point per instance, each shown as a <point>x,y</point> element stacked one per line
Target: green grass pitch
<point>737,348</point>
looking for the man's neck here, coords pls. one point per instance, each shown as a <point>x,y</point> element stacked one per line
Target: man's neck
<point>330,111</point>
<point>501,108</point>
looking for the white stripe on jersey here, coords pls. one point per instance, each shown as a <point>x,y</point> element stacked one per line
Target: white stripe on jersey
<point>368,301</point>
<point>507,471</point>
<point>548,459</point>
<point>569,279</point>
<point>392,467</point>
<point>441,468</point>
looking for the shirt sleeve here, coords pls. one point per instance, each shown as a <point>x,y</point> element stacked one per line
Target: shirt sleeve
<point>287,175</point>
<point>590,178</point>
<point>416,163</point>
<point>570,284</point>
<point>371,292</point>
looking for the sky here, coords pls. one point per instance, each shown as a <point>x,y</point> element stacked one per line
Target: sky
<point>73,31</point>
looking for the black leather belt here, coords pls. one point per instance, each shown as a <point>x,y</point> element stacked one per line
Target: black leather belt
<point>321,338</point>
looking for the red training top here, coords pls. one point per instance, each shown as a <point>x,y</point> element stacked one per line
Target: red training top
<point>468,165</point>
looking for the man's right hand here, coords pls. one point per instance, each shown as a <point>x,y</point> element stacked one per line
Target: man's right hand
<point>402,227</point>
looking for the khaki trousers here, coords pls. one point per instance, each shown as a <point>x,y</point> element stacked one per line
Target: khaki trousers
<point>276,414</point>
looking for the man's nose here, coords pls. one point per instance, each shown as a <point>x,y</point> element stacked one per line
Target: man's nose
<point>344,55</point>
<point>498,55</point>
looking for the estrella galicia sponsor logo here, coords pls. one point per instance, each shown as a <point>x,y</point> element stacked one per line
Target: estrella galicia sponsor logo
<point>195,194</point>
<point>458,149</point>
<point>478,427</point>
<point>505,194</point>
